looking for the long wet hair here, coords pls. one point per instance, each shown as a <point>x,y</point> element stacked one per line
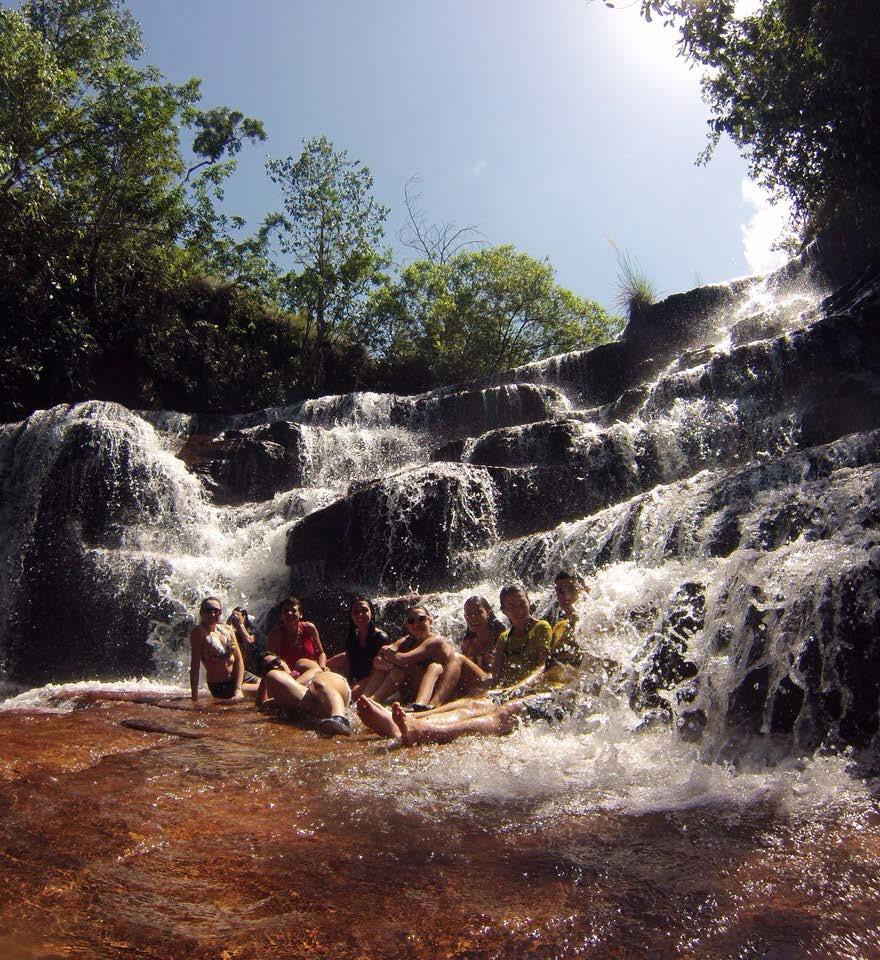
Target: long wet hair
<point>352,629</point>
<point>373,631</point>
<point>495,625</point>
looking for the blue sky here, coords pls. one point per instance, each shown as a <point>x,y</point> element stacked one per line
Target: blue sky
<point>555,125</point>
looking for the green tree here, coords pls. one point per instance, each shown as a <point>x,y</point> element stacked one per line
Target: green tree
<point>796,86</point>
<point>331,228</point>
<point>96,196</point>
<point>480,312</point>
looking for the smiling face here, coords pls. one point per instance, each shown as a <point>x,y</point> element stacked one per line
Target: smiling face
<point>515,607</point>
<point>476,616</point>
<point>360,614</point>
<point>418,622</point>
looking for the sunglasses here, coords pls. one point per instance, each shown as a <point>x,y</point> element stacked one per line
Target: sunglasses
<point>421,618</point>
<point>213,611</point>
<point>291,610</point>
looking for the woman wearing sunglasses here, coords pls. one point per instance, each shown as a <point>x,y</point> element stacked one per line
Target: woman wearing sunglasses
<point>427,663</point>
<point>214,645</point>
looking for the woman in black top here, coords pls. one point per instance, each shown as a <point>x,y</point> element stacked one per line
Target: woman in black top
<point>362,644</point>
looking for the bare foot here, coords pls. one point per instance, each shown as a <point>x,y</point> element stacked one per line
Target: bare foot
<point>376,717</point>
<point>401,719</point>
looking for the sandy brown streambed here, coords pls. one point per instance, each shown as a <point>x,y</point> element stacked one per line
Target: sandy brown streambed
<point>140,830</point>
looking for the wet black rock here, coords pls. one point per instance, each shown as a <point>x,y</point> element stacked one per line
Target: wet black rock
<point>548,442</point>
<point>256,464</point>
<point>472,411</point>
<point>663,662</point>
<point>72,614</point>
<point>405,532</point>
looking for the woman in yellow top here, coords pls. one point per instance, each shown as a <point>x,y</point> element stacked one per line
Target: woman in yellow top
<point>566,654</point>
<point>521,651</point>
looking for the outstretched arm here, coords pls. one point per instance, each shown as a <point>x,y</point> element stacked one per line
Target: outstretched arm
<point>195,663</point>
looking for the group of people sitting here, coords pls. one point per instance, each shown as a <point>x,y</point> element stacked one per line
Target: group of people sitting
<point>418,688</point>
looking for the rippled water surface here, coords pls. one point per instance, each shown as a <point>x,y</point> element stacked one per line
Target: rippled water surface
<point>154,830</point>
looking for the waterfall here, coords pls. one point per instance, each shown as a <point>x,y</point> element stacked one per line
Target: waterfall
<point>713,475</point>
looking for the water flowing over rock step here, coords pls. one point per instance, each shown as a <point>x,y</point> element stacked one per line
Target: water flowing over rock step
<point>828,491</point>
<point>262,455</point>
<point>256,462</point>
<point>421,528</point>
<point>724,447</point>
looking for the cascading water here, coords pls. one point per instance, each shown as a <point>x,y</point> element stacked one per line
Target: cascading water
<point>714,475</point>
<point>727,481</point>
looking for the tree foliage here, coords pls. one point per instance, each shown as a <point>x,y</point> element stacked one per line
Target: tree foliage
<point>93,189</point>
<point>797,87</point>
<point>479,312</point>
<point>123,277</point>
<point>331,228</point>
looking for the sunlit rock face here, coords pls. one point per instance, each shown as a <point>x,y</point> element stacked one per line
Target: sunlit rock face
<point>78,600</point>
<point>714,476</point>
<point>401,534</point>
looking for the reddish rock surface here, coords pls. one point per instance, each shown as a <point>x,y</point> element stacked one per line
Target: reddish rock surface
<point>155,830</point>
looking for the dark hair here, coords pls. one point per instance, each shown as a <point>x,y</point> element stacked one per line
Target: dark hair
<point>352,629</point>
<point>565,575</point>
<point>248,623</point>
<point>511,588</point>
<point>290,601</point>
<point>416,606</point>
<point>372,630</point>
<point>207,600</point>
<point>494,623</point>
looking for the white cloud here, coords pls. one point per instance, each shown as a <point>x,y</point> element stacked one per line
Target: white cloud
<point>745,8</point>
<point>765,227</point>
<point>479,167</point>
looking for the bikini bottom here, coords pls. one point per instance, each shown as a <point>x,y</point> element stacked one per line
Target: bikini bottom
<point>225,689</point>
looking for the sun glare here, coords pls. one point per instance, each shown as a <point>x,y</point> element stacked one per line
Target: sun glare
<point>651,44</point>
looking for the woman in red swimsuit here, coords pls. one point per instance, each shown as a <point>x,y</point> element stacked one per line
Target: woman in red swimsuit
<point>294,645</point>
<point>297,677</point>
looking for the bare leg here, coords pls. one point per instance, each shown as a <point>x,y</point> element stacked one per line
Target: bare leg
<point>338,663</point>
<point>472,676</point>
<point>497,722</point>
<point>317,692</point>
<point>330,695</point>
<point>376,717</point>
<point>378,675</point>
<point>304,665</point>
<point>390,685</point>
<point>281,686</point>
<point>388,723</point>
<point>448,683</point>
<point>432,673</point>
